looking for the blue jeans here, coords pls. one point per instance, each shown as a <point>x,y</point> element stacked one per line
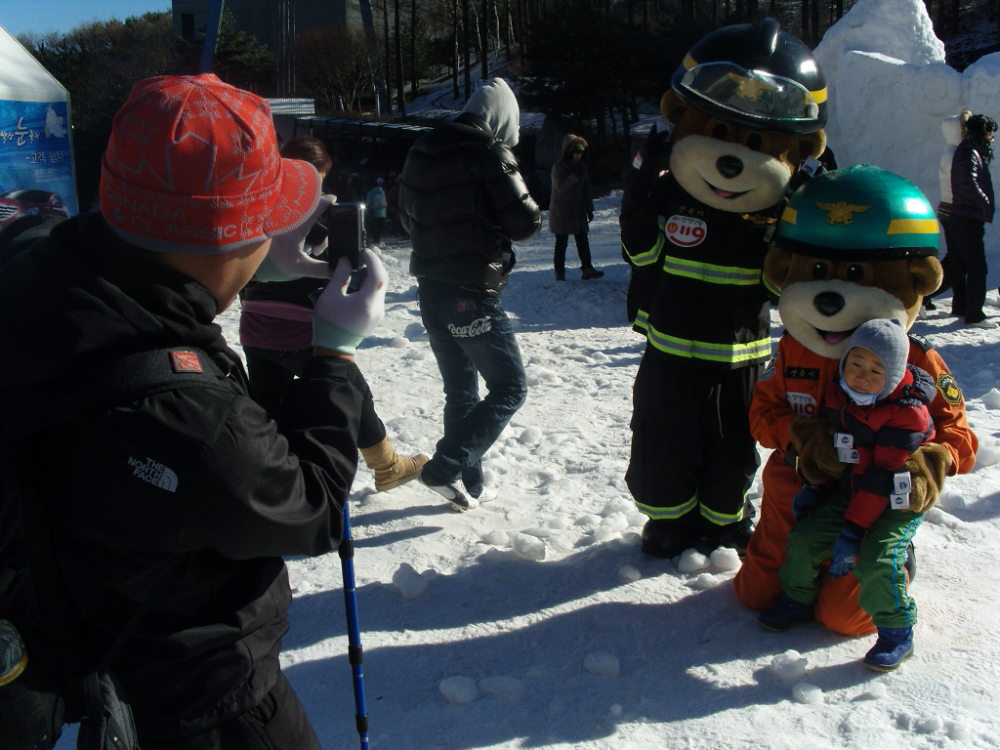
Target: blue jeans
<point>472,337</point>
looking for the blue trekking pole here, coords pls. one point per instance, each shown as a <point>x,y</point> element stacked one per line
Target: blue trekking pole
<point>354,650</point>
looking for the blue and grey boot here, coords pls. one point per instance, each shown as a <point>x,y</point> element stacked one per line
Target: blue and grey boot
<point>893,646</point>
<point>785,613</point>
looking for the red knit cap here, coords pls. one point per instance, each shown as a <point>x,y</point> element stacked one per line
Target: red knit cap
<point>193,167</point>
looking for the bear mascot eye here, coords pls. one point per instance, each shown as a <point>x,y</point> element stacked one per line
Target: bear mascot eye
<point>720,131</point>
<point>754,141</point>
<point>820,270</point>
<point>854,273</point>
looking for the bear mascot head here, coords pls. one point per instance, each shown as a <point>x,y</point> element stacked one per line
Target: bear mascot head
<point>748,106</point>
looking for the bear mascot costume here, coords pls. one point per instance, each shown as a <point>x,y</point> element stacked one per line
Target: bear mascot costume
<point>744,112</point>
<point>852,245</point>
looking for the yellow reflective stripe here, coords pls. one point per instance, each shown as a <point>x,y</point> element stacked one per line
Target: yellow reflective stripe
<point>691,349</point>
<point>667,514</point>
<point>648,257</point>
<point>913,226</point>
<point>776,291</point>
<point>790,215</point>
<point>641,320</point>
<point>689,62</point>
<point>819,96</point>
<point>722,519</point>
<point>711,273</point>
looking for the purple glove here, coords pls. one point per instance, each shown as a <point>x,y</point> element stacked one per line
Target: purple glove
<point>845,554</point>
<point>341,319</point>
<point>806,501</point>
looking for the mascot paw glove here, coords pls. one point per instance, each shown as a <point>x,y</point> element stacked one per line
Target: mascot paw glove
<point>806,501</point>
<point>288,259</point>
<point>812,441</point>
<point>928,466</point>
<point>342,320</point>
<point>845,554</point>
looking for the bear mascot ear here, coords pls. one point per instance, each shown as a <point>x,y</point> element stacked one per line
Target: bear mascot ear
<point>810,144</point>
<point>672,108</point>
<point>777,264</point>
<point>927,275</point>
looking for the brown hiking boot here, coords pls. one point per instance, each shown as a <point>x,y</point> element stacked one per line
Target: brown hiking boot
<point>391,469</point>
<point>591,273</point>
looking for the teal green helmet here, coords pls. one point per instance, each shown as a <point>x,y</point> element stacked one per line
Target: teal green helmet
<point>859,213</point>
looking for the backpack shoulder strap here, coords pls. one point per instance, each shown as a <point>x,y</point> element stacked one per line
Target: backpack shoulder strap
<point>107,382</point>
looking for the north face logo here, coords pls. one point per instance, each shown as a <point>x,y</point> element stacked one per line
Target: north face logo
<point>155,473</point>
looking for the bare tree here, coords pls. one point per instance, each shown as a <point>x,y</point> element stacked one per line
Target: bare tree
<point>333,66</point>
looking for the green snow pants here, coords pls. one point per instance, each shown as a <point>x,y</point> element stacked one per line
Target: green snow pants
<point>879,570</point>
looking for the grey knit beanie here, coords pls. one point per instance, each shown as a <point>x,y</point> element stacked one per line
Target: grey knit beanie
<point>887,340</point>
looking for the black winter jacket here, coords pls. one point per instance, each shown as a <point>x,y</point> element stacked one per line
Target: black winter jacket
<point>197,482</point>
<point>463,200</point>
<point>971,184</point>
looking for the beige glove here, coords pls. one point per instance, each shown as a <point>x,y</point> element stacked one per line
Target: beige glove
<point>812,441</point>
<point>928,466</point>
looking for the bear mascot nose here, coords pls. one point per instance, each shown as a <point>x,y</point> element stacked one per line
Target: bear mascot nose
<point>729,166</point>
<point>829,303</point>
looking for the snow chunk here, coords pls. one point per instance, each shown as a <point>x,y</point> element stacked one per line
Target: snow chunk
<point>789,665</point>
<point>691,561</point>
<point>528,546</point>
<point>992,399</point>
<point>725,558</point>
<point>618,505</point>
<point>459,690</point>
<point>703,582</point>
<point>951,501</point>
<point>629,573</point>
<point>399,342</point>
<point>803,692</point>
<point>531,436</point>
<point>408,582</point>
<point>610,527</point>
<point>987,455</point>
<point>930,725</point>
<point>603,663</point>
<point>875,692</point>
<point>497,538</point>
<point>505,688</point>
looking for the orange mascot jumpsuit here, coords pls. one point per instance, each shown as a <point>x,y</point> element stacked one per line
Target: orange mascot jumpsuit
<point>794,387</point>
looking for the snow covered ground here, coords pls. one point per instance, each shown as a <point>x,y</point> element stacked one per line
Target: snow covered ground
<point>536,621</point>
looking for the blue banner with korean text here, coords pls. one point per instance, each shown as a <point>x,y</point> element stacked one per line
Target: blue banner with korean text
<point>36,165</point>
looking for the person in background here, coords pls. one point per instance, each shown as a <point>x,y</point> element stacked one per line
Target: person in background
<point>276,336</point>
<point>376,202</point>
<point>392,206</point>
<point>171,515</point>
<point>571,207</point>
<point>463,201</point>
<point>953,129</point>
<point>972,207</point>
<point>878,407</point>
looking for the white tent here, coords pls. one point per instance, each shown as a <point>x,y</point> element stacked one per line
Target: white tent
<point>36,156</point>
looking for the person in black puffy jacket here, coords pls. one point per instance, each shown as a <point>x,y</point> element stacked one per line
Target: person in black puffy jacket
<point>463,201</point>
<point>180,504</point>
<point>972,207</point>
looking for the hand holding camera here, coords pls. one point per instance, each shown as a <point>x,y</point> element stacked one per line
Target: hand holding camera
<point>341,318</point>
<point>288,259</point>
